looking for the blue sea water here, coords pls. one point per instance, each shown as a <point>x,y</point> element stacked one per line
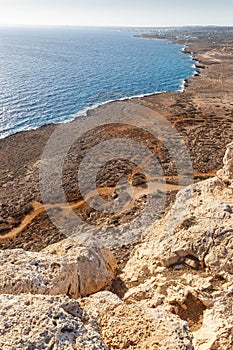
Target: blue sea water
<point>51,75</point>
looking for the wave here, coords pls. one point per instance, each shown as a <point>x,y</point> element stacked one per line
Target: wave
<point>57,105</point>
<point>82,113</point>
<point>85,111</point>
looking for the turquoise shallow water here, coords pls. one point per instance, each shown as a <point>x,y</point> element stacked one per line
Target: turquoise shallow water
<point>51,75</point>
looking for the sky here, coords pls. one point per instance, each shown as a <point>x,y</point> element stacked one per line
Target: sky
<point>116,13</point>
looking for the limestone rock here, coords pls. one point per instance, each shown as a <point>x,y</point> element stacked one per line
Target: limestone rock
<point>184,266</point>
<point>64,268</point>
<point>226,174</point>
<point>96,265</point>
<point>125,326</point>
<point>100,303</point>
<point>46,322</point>
<point>184,295</point>
<point>217,329</point>
<point>37,273</point>
<point>203,242</point>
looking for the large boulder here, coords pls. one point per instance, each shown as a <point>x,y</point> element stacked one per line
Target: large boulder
<point>96,265</point>
<point>31,322</point>
<point>64,268</point>
<point>37,273</point>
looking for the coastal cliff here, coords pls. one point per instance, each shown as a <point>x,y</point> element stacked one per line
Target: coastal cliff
<point>178,284</point>
<point>202,114</point>
<point>170,288</point>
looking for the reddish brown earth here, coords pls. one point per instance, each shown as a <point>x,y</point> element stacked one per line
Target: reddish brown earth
<point>202,114</point>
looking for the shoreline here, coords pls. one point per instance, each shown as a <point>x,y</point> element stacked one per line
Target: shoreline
<point>85,111</point>
<point>157,285</point>
<point>202,114</point>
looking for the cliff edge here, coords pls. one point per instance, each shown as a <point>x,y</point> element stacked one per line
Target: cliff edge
<point>178,284</point>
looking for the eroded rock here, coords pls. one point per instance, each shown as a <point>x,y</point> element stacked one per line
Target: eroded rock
<point>46,322</point>
<point>185,264</point>
<point>37,273</point>
<point>126,326</point>
<point>64,268</point>
<point>96,265</point>
<point>217,329</point>
<point>226,174</point>
<point>205,244</point>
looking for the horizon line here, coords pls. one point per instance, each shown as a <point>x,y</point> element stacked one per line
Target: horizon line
<point>116,26</point>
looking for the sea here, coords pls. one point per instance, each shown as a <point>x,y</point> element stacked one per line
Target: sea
<point>54,74</point>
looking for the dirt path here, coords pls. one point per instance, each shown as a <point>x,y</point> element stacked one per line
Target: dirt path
<point>39,208</point>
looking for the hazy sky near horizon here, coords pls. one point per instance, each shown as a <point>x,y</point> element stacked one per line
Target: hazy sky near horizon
<point>116,13</point>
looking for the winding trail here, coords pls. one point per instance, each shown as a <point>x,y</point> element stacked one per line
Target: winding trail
<point>39,208</point>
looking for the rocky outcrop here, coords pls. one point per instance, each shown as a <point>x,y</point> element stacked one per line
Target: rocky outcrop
<point>96,265</point>
<point>37,273</point>
<point>178,282</point>
<point>185,264</point>
<point>198,238</point>
<point>217,328</point>
<point>131,326</point>
<point>46,322</point>
<point>62,269</point>
<point>226,174</point>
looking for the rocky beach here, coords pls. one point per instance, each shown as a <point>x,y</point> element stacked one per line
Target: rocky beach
<point>158,287</point>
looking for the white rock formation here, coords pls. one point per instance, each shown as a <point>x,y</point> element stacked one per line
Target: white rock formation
<point>226,174</point>
<point>96,265</point>
<point>185,264</point>
<point>37,273</point>
<point>202,239</point>
<point>64,268</point>
<point>33,322</point>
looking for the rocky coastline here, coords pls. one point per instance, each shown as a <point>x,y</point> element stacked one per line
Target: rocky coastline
<point>169,289</point>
